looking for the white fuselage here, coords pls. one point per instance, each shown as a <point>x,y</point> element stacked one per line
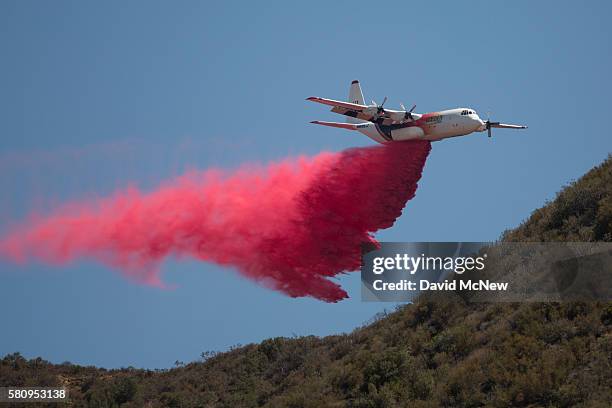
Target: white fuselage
<point>429,126</point>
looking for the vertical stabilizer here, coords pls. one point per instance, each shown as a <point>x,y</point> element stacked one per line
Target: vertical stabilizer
<point>355,96</point>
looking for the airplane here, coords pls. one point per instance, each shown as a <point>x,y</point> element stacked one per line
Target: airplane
<point>387,126</point>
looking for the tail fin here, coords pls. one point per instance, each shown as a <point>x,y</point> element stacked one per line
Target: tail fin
<point>355,96</point>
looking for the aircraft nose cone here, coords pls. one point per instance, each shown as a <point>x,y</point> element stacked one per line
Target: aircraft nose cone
<point>479,123</point>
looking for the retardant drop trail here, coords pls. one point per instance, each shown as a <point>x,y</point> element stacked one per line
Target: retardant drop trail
<point>290,225</point>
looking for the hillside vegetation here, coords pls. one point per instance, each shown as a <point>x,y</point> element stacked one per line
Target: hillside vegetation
<point>438,352</point>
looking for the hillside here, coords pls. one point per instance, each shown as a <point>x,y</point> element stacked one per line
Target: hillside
<point>436,352</point>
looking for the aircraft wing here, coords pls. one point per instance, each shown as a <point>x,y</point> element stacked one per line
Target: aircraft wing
<point>506,126</point>
<point>353,110</point>
<point>358,111</point>
<point>349,126</point>
<point>339,104</point>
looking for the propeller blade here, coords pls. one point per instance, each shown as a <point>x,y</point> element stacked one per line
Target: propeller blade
<point>384,100</point>
<point>407,113</point>
<point>489,131</point>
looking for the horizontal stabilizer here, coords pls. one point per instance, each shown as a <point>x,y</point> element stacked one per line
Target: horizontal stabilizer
<point>349,126</point>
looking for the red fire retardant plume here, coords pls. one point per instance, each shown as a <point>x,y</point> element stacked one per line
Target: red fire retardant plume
<point>290,225</point>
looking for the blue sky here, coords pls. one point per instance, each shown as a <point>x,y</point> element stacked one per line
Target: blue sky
<point>96,97</point>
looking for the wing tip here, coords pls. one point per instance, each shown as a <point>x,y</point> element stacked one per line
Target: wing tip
<point>349,126</point>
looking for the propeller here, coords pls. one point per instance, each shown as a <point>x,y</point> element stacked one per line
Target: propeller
<point>488,124</point>
<point>379,108</point>
<point>408,114</point>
